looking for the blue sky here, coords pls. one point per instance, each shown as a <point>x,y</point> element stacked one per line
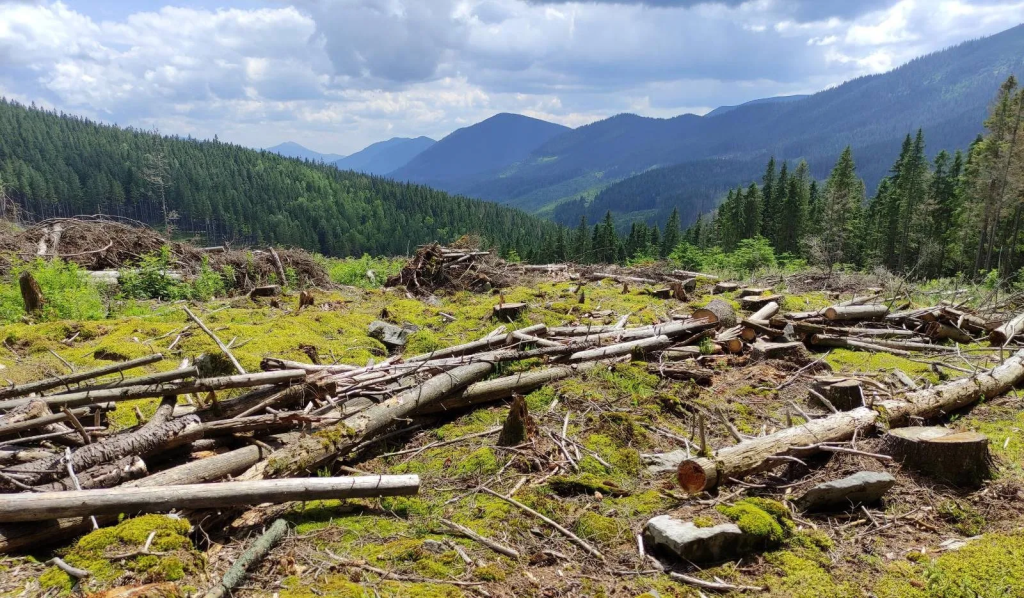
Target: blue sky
<point>337,75</point>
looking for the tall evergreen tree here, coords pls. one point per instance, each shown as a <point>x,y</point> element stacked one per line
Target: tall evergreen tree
<point>768,225</point>
<point>841,201</point>
<point>672,234</point>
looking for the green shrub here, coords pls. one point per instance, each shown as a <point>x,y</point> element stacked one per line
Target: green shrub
<point>150,279</point>
<point>69,293</point>
<point>352,271</point>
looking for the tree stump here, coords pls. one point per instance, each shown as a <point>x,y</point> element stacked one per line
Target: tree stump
<point>794,352</point>
<point>717,312</point>
<point>725,287</point>
<point>508,311</point>
<point>751,291</point>
<point>518,426</point>
<point>957,458</point>
<point>31,294</point>
<point>271,290</point>
<point>306,299</point>
<point>845,394</point>
<point>756,302</point>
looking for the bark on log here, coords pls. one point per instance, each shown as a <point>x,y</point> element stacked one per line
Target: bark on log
<point>794,352</point>
<point>856,312</point>
<point>50,383</point>
<point>717,312</point>
<point>821,340</point>
<point>1008,331</point>
<point>142,442</point>
<point>158,378</point>
<point>502,388</point>
<point>31,294</point>
<point>45,506</point>
<point>236,573</point>
<point>758,454</point>
<point>766,312</point>
<point>638,346</point>
<point>942,331</point>
<point>86,397</point>
<point>308,453</point>
<point>107,475</point>
<point>957,458</point>
<point>475,346</point>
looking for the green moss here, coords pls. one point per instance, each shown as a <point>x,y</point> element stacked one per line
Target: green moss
<point>405,506</point>
<point>92,553</point>
<point>991,567</point>
<point>584,483</point>
<point>761,517</point>
<point>540,399</point>
<point>1005,429</point>
<point>639,504</point>
<point>596,527</point>
<point>489,573</point>
<point>625,461</point>
<point>844,360</point>
<point>704,521</point>
<point>480,462</point>
<point>805,578</point>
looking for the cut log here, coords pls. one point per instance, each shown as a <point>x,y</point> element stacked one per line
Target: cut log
<point>941,331</point>
<point>641,346</point>
<point>717,312</point>
<point>766,312</point>
<point>1007,332</point>
<point>856,312</point>
<point>51,383</point>
<point>725,287</point>
<point>476,346</point>
<point>678,371</point>
<point>31,294</point>
<point>271,290</point>
<point>518,425</point>
<point>44,506</point>
<point>844,394</point>
<point>957,458</point>
<point>309,453</point>
<point>107,475</point>
<point>840,342</point>
<point>508,312</point>
<point>104,395</point>
<point>502,388</point>
<point>761,453</point>
<point>794,352</point>
<point>142,442</point>
<point>758,301</point>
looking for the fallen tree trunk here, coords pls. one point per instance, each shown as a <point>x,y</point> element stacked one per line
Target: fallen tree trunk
<point>473,347</point>
<point>678,371</point>
<point>502,388</point>
<point>310,452</point>
<point>45,506</point>
<point>50,383</point>
<point>761,453</point>
<point>856,312</point>
<point>158,378</point>
<point>1007,332</point>
<point>106,475</point>
<point>627,348</point>
<point>77,399</point>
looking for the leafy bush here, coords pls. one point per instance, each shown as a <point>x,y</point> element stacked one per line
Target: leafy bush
<point>749,256</point>
<point>69,293</point>
<point>352,271</point>
<point>152,279</point>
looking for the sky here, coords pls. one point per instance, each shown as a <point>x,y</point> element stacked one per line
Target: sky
<point>337,75</point>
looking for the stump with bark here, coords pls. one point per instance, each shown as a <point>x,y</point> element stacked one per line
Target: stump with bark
<point>31,294</point>
<point>518,426</point>
<point>717,312</point>
<point>845,394</point>
<point>956,458</point>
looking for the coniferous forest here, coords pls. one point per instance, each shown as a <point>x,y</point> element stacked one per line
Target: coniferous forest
<point>959,213</point>
<point>52,164</point>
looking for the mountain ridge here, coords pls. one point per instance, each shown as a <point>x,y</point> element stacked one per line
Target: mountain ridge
<point>290,149</point>
<point>385,156</point>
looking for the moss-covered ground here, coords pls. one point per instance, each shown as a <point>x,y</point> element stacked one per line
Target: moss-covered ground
<point>615,414</point>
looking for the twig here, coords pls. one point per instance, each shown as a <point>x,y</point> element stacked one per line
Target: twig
<point>728,425</point>
<point>573,537</point>
<point>713,585</point>
<point>77,424</point>
<point>66,568</point>
<point>495,546</point>
<point>823,400</point>
<point>223,347</point>
<point>74,480</point>
<point>62,360</point>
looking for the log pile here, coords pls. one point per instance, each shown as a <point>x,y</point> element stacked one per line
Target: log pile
<point>435,267</point>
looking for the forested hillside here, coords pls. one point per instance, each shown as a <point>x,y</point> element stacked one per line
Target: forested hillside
<point>58,165</point>
<point>384,156</point>
<point>946,93</point>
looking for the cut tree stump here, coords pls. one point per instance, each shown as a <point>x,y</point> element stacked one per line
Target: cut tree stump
<point>518,426</point>
<point>717,312</point>
<point>508,311</point>
<point>756,302</point>
<point>957,458</point>
<point>31,294</point>
<point>751,291</point>
<point>845,394</point>
<point>725,287</point>
<point>794,352</point>
<point>272,290</point>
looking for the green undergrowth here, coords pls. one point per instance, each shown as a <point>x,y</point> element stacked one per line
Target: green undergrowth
<point>846,361</point>
<point>1005,430</point>
<point>177,562</point>
<point>990,567</point>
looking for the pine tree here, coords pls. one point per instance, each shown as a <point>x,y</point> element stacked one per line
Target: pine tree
<point>767,226</point>
<point>841,201</point>
<point>794,212</point>
<point>751,213</point>
<point>672,234</point>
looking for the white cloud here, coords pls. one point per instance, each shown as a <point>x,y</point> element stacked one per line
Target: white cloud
<point>340,74</point>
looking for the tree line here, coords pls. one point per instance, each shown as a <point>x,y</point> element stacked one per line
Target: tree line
<point>58,165</point>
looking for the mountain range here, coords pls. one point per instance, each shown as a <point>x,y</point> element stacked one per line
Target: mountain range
<point>642,168</point>
<point>290,149</point>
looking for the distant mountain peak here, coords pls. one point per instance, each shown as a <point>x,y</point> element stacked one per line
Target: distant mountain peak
<point>290,149</point>
<point>385,156</point>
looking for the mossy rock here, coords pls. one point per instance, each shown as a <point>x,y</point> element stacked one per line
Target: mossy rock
<point>584,483</point>
<point>93,551</point>
<point>761,517</point>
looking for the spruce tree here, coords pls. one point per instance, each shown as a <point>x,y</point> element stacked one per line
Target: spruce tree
<point>767,226</point>
<point>672,234</point>
<point>837,240</point>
